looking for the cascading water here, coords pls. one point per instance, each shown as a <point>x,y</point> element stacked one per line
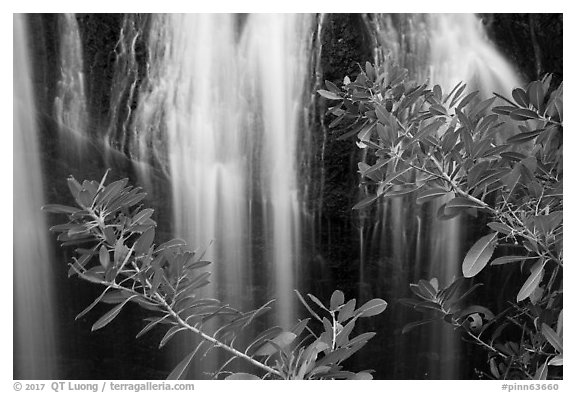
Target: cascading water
<point>70,109</point>
<point>441,49</point>
<point>444,48</point>
<point>34,342</point>
<point>228,110</point>
<point>190,103</point>
<point>278,51</point>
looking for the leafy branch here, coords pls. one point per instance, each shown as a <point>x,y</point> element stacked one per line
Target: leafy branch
<point>501,162</point>
<point>115,239</point>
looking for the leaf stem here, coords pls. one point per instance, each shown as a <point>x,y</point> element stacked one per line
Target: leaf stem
<point>159,300</point>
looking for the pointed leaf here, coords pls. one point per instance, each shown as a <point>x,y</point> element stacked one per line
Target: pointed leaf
<point>479,255</point>
<point>55,208</point>
<point>445,295</point>
<point>466,100</point>
<point>532,282</point>
<point>365,202</point>
<point>371,308</point>
<point>307,306</point>
<point>242,376</point>
<point>110,315</point>
<point>115,296</point>
<point>347,311</point>
<point>503,110</point>
<point>150,325</point>
<point>438,110</point>
<point>280,341</point>
<point>415,288</point>
<point>556,361</point>
<point>508,259</point>
<point>536,95</point>
<point>300,326</point>
<point>142,245</point>
<point>78,264</point>
<point>109,235</point>
<point>336,300</point>
<point>120,252</point>
<point>364,337</point>
<point>524,136</point>
<point>329,95</point>
<point>395,175</point>
<point>317,301</point>
<point>355,130</point>
<point>427,289</point>
<point>499,227</point>
<point>85,198</point>
<point>362,376</point>
<point>552,337</point>
<point>112,191</point>
<point>430,194</point>
<point>494,368</point>
<point>142,216</point>
<point>523,114</point>
<point>457,94</point>
<point>541,373</point>
<point>332,87</point>
<point>462,203</point>
<point>92,305</point>
<point>74,186</point>
<point>169,334</point>
<point>264,336</point>
<point>520,97</point>
<point>104,256</point>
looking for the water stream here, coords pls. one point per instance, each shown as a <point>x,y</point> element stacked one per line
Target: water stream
<point>34,341</point>
<point>226,110</point>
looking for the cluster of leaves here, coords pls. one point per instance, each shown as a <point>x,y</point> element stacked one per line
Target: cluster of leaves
<point>311,356</point>
<point>114,235</point>
<point>498,163</point>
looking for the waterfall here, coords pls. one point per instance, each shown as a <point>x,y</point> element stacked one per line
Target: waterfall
<point>190,104</point>
<point>444,49</point>
<point>277,65</point>
<point>34,341</point>
<point>70,108</point>
<point>222,114</point>
<point>441,49</point>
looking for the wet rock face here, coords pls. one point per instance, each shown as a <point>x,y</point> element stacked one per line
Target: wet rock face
<point>345,46</point>
<point>100,34</point>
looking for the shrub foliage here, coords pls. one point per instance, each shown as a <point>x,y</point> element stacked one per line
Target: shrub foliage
<point>116,248</point>
<point>496,160</point>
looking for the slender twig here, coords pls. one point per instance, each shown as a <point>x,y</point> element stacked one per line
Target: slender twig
<point>159,300</point>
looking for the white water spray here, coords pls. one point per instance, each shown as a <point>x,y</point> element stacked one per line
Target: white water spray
<point>33,300</point>
<point>223,98</point>
<point>277,49</point>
